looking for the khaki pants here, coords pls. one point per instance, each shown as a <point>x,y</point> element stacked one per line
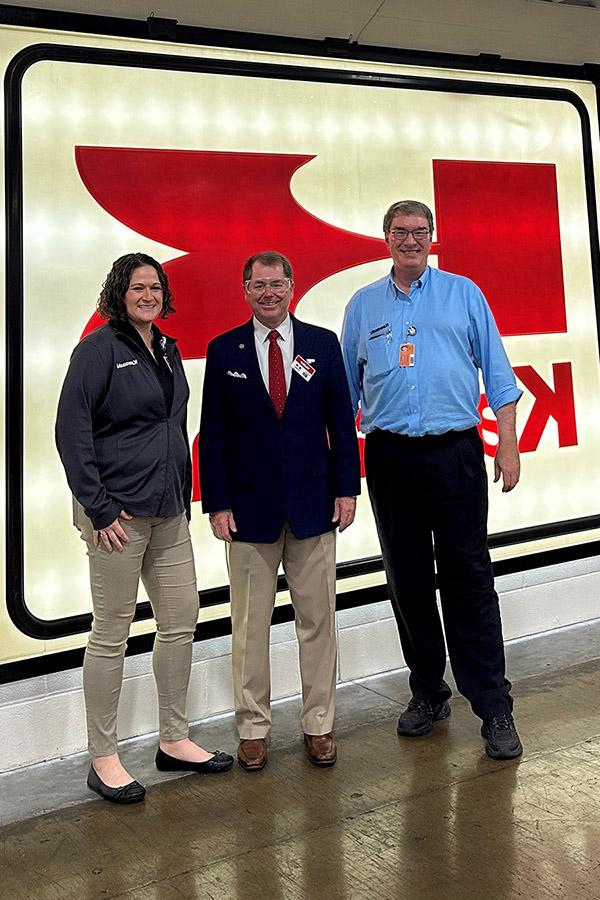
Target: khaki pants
<point>160,552</point>
<point>309,565</point>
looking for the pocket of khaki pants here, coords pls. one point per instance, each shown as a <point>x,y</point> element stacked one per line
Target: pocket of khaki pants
<point>76,511</point>
<point>81,521</point>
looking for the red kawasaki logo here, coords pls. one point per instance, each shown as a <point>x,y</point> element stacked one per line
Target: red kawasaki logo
<point>220,207</point>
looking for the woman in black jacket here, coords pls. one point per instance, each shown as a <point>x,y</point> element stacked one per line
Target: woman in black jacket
<point>121,434</point>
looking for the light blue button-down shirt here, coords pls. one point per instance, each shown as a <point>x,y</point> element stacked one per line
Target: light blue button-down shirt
<point>449,322</point>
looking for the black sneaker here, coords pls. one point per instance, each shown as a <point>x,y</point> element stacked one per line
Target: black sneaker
<point>501,738</point>
<point>419,716</point>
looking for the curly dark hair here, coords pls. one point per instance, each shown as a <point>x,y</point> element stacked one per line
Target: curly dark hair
<point>111,303</point>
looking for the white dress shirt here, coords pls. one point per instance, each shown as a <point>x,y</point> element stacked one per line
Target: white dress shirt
<point>286,344</point>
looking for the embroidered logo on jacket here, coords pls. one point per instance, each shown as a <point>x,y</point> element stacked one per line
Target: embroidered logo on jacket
<point>128,362</point>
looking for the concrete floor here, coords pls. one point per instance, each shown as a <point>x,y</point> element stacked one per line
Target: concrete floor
<point>423,819</point>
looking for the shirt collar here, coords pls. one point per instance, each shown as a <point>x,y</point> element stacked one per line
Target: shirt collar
<point>124,326</point>
<point>418,282</point>
<point>263,331</point>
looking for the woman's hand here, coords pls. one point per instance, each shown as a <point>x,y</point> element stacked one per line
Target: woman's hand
<point>114,535</point>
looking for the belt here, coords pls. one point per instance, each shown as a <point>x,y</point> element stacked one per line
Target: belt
<point>438,440</point>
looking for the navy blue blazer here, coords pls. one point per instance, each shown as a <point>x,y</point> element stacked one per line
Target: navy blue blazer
<point>269,470</point>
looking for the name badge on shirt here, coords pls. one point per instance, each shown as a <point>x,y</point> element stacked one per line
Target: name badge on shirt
<point>407,356</point>
<point>303,368</point>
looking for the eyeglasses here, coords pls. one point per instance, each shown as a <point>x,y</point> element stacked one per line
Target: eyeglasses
<point>278,286</point>
<point>419,234</point>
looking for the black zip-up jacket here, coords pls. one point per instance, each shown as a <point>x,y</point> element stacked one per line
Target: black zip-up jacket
<point>121,447</point>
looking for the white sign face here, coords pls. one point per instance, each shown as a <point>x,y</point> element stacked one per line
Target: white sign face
<point>200,169</point>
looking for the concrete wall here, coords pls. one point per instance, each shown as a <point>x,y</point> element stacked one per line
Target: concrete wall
<point>516,29</point>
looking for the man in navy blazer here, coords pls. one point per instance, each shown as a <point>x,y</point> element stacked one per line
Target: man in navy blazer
<point>279,470</point>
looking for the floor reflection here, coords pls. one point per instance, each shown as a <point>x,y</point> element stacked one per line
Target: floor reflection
<point>396,819</point>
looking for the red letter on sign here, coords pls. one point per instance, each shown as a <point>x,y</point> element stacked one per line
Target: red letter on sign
<point>497,223</point>
<point>487,425</point>
<point>557,403</point>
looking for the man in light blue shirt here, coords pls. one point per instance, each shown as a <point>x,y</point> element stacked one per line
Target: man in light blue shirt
<point>413,344</point>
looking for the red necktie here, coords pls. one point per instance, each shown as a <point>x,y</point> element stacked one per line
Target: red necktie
<point>277,388</point>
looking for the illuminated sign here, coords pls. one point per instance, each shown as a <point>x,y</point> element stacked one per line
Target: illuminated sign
<point>204,158</point>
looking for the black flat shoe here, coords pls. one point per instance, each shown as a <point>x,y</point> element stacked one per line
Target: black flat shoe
<point>220,762</point>
<point>133,792</point>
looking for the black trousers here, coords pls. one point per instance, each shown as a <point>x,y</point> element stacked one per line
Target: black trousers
<point>430,493</point>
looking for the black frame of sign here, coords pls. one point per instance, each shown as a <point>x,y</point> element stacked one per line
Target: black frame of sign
<point>21,616</point>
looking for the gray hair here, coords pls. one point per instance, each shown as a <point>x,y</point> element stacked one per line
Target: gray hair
<point>407,208</point>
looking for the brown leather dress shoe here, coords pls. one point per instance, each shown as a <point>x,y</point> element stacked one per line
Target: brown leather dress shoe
<point>320,749</point>
<point>252,754</point>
